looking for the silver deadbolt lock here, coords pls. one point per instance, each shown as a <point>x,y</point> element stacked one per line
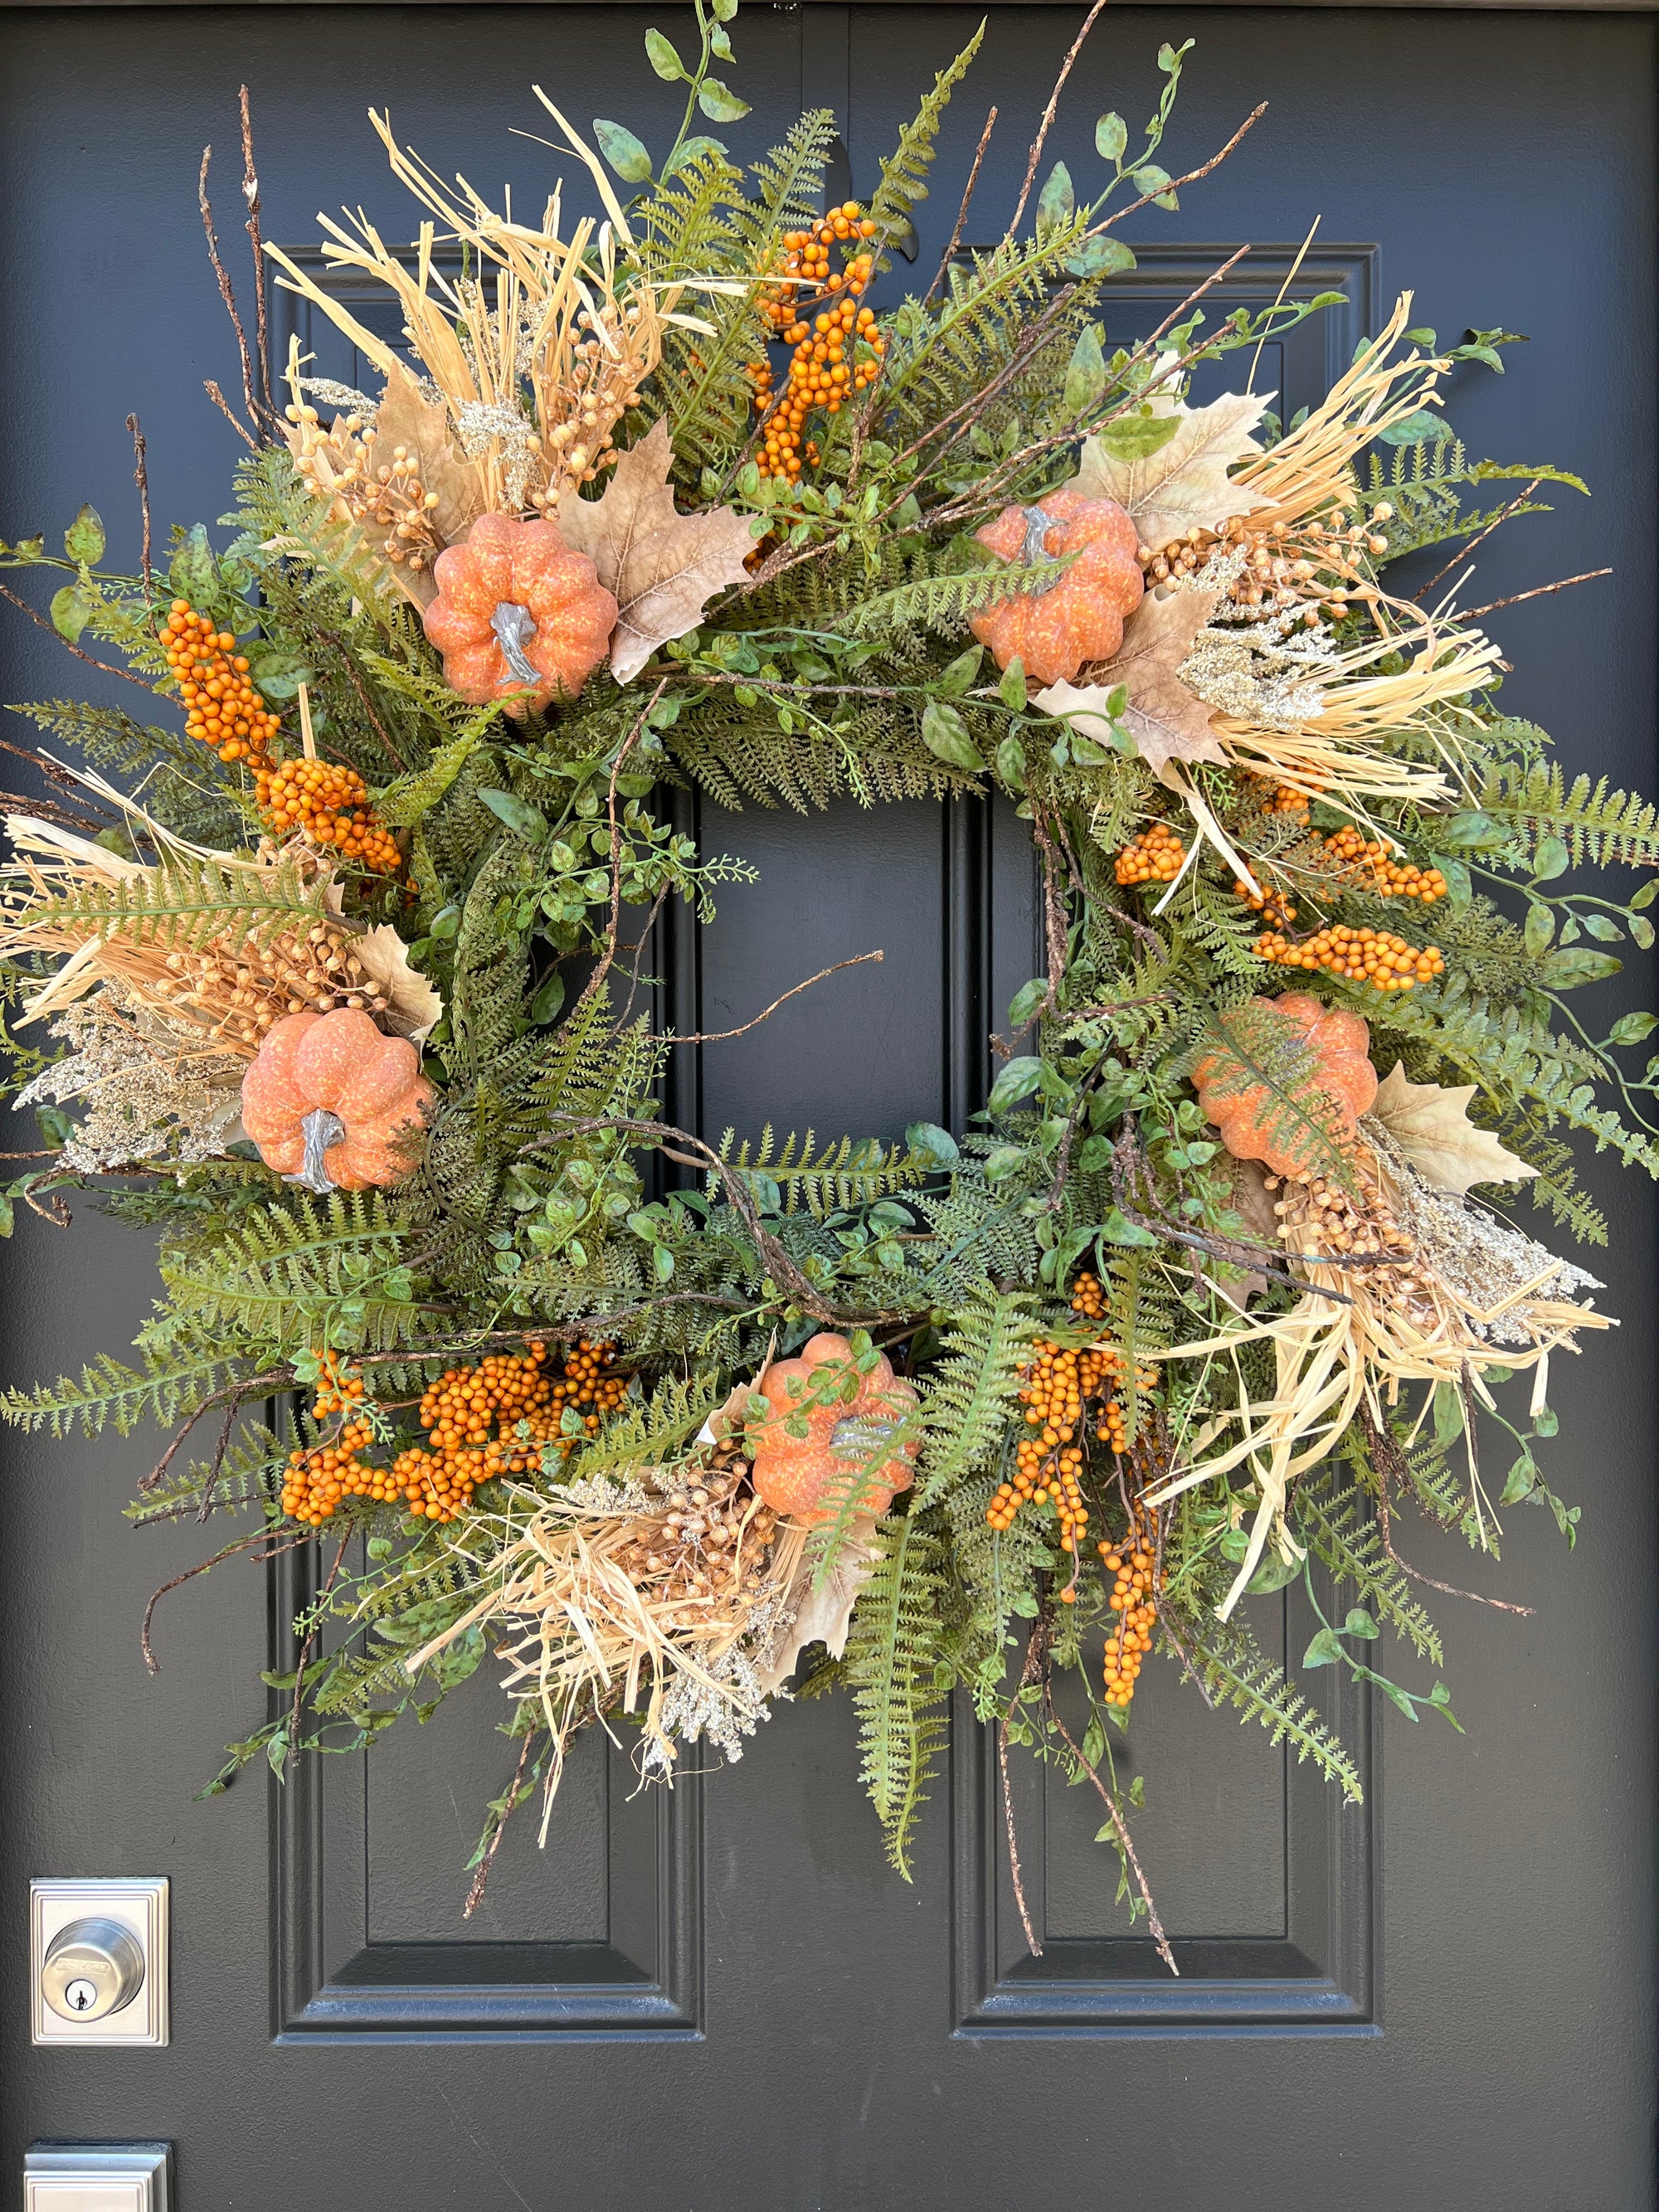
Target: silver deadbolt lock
<point>98,1960</point>
<point>93,1968</point>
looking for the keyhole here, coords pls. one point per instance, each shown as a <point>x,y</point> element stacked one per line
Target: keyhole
<point>81,1996</point>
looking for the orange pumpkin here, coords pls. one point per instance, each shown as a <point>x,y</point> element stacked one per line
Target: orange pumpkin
<point>805,1476</point>
<point>1243,1111</point>
<point>328,1097</point>
<point>1079,619</point>
<point>517,607</point>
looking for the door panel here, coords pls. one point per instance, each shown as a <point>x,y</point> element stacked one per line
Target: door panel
<point>721,1999</point>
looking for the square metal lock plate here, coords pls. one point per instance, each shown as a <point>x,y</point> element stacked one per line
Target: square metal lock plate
<point>137,1911</point>
<point>109,2178</point>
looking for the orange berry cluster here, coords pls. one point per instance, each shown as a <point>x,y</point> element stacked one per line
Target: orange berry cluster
<point>221,708</point>
<point>1133,1563</point>
<point>835,355</point>
<point>513,1394</point>
<point>317,1480</point>
<point>340,1388</point>
<point>329,805</point>
<point>1273,906</point>
<point>1155,856</point>
<point>526,1405</point>
<point>1359,955</point>
<point>1280,797</point>
<point>1389,878</point>
<point>1059,1389</point>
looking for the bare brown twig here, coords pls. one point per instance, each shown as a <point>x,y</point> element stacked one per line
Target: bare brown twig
<point>332,637</point>
<point>481,1880</point>
<point>607,961</point>
<point>250,199</point>
<point>141,477</point>
<point>296,1713</point>
<point>224,408</point>
<point>720,1036</point>
<point>1465,552</point>
<point>212,1482</point>
<point>83,825</point>
<point>225,292</point>
<point>229,1551</point>
<point>1191,177</point>
<point>1032,1942</point>
<point>1539,591</point>
<point>1120,1828</point>
<point>950,253</point>
<point>1389,1462</point>
<point>40,623</point>
<point>1048,112</point>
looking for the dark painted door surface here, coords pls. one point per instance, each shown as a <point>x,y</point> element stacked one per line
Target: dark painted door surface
<point>723,2002</point>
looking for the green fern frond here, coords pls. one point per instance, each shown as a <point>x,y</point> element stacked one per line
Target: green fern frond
<point>1236,1672</point>
<point>971,1396</point>
<point>109,1394</point>
<point>944,603</point>
<point>1332,1519</point>
<point>1607,827</point>
<point>403,803</point>
<point>890,1667</point>
<point>182,904</point>
<point>904,170</point>
<point>851,1173</point>
<point>650,1432</point>
<point>282,1276</point>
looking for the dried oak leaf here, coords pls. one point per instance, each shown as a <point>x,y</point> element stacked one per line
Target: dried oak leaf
<point>1431,1127</point>
<point>662,567</point>
<point>1253,1202</point>
<point>404,418</point>
<point>824,1615</point>
<point>1184,485</point>
<point>1166,720</point>
<point>413,1006</point>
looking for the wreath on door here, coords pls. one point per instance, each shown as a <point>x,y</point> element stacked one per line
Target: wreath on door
<point>330,969</point>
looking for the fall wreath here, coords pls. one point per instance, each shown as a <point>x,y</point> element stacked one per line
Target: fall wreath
<point>323,972</point>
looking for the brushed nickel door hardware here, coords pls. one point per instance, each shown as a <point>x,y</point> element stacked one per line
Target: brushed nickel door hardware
<point>98,1961</point>
<point>100,2177</point>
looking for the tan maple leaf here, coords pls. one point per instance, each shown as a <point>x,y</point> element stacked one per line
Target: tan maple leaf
<point>1431,1127</point>
<point>1184,485</point>
<point>662,567</point>
<point>404,418</point>
<point>412,1004</point>
<point>1166,720</point>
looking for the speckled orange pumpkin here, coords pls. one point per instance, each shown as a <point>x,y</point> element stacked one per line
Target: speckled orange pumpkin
<point>327,1097</point>
<point>1242,1112</point>
<point>516,607</point>
<point>804,1476</point>
<point>1080,619</point>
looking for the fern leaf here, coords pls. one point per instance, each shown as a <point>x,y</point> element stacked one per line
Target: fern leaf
<point>971,1396</point>
<point>904,170</point>
<point>1236,1672</point>
<point>890,1666</point>
<point>1332,1521</point>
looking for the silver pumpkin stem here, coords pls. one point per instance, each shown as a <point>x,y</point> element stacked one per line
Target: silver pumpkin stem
<point>514,626</point>
<point>322,1130</point>
<point>1035,547</point>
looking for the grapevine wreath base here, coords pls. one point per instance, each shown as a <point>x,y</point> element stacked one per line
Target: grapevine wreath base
<point>339,1004</point>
